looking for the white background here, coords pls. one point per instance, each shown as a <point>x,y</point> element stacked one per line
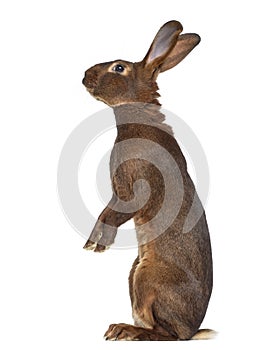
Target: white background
<point>55,295</point>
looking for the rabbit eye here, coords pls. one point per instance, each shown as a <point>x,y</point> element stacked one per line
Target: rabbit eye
<point>119,68</point>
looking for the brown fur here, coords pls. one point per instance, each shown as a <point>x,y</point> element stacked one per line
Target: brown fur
<point>170,282</point>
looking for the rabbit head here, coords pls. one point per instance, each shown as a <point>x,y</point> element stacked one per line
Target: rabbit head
<point>122,82</point>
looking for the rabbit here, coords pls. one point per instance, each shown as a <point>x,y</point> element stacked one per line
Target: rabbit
<point>170,282</point>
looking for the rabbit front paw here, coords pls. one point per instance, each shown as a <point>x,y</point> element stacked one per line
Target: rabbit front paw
<point>97,248</point>
<point>101,237</point>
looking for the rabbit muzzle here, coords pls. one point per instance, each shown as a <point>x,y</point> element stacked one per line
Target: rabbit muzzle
<point>89,84</point>
<point>90,80</point>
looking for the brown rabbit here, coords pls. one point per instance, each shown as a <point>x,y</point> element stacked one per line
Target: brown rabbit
<point>171,280</point>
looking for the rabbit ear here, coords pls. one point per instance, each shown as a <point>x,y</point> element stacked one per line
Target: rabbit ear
<point>163,43</point>
<point>185,44</point>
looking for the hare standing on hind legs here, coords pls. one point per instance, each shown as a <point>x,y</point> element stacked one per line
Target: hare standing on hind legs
<point>170,282</point>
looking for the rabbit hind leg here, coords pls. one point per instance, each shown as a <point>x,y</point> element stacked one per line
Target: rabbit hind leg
<point>145,327</point>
